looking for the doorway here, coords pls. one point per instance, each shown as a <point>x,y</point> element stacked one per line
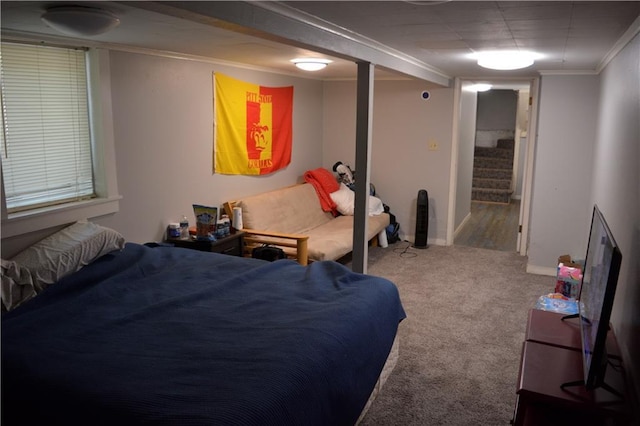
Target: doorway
<point>488,223</point>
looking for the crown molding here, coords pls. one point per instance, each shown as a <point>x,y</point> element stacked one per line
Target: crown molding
<point>628,35</point>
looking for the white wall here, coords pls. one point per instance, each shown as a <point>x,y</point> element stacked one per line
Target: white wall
<point>401,164</point>
<point>466,146</point>
<point>521,150</point>
<point>616,188</point>
<point>522,113</point>
<point>560,205</point>
<point>163,126</point>
<point>497,109</point>
<point>496,117</point>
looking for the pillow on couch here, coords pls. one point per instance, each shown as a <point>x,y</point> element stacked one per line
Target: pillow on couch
<point>345,200</point>
<point>66,251</point>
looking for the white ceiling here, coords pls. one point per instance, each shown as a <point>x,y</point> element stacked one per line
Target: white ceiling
<point>571,36</point>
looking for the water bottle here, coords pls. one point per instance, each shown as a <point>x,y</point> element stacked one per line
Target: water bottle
<point>184,228</point>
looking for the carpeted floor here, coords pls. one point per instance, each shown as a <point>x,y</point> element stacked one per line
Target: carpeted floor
<point>460,344</point>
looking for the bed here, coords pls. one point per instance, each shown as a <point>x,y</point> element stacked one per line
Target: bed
<point>171,336</point>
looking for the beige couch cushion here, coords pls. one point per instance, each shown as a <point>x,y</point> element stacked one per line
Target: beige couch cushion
<point>293,210</point>
<point>334,239</point>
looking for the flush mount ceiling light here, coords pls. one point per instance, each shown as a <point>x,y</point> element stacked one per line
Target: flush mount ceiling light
<point>311,64</point>
<point>479,87</point>
<point>426,3</point>
<point>79,20</point>
<point>506,60</point>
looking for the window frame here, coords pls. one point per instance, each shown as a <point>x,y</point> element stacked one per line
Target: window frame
<point>103,157</point>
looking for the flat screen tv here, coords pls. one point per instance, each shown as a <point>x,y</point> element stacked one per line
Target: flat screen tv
<point>600,277</point>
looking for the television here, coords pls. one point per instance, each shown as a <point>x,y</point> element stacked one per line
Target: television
<point>595,300</point>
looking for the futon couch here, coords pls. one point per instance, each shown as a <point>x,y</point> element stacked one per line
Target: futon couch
<point>293,219</point>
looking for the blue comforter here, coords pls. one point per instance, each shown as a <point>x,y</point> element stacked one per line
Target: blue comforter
<point>172,336</point>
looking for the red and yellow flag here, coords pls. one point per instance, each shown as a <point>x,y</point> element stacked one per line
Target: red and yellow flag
<point>253,129</point>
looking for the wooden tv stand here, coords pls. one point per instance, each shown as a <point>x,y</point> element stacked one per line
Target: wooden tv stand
<point>551,356</point>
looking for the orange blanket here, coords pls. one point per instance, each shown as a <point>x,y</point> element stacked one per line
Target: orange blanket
<point>325,183</point>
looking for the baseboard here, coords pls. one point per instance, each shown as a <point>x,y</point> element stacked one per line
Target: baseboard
<point>464,222</point>
<point>542,270</point>
<point>430,241</point>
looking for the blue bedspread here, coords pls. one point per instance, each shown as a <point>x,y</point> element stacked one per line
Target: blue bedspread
<point>172,336</point>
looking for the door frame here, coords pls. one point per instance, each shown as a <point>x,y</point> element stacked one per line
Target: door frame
<point>527,176</point>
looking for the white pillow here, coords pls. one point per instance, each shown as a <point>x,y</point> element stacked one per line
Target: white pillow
<point>345,202</point>
<point>67,251</point>
<point>17,285</point>
<point>375,206</point>
<point>344,199</point>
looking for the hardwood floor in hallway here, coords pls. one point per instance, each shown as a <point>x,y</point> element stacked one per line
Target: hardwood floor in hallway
<point>491,226</point>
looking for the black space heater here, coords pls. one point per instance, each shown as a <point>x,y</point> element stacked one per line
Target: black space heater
<point>422,220</point>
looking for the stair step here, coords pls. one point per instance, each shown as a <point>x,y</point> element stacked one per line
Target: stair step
<point>482,151</point>
<point>506,143</point>
<point>491,183</point>
<point>489,173</point>
<point>493,163</point>
<point>491,195</point>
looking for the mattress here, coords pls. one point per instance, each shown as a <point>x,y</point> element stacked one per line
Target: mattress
<point>180,337</point>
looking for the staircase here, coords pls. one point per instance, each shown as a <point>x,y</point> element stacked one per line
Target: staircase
<point>492,173</point>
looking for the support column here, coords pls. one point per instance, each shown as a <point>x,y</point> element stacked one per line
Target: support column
<point>364,119</point>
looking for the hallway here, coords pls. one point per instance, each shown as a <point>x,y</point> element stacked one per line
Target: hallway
<point>492,226</point>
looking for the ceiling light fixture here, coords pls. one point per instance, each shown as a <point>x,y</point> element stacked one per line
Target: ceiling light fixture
<point>311,64</point>
<point>80,21</point>
<point>426,3</point>
<point>479,87</point>
<point>506,60</point>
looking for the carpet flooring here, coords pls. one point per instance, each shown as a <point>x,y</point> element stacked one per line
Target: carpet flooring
<point>460,344</point>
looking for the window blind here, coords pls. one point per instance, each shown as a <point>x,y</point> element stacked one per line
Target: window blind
<point>46,138</point>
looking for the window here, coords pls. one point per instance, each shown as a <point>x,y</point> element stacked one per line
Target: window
<point>27,220</point>
<point>46,138</point>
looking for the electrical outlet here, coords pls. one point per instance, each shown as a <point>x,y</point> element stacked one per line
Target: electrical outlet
<point>433,146</point>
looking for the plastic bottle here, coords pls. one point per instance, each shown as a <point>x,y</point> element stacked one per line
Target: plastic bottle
<point>226,224</point>
<point>184,228</point>
<point>174,230</point>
